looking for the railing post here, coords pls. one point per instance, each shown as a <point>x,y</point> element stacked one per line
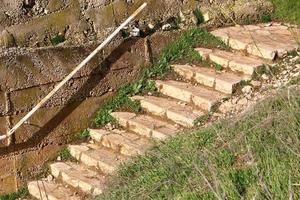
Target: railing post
<point>7,116</point>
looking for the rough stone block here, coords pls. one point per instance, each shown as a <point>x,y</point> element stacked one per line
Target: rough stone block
<point>8,181</point>
<point>50,190</point>
<point>36,29</point>
<point>198,95</point>
<point>57,124</point>
<point>182,114</point>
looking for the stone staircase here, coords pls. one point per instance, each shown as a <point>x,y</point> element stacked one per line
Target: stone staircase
<point>178,106</point>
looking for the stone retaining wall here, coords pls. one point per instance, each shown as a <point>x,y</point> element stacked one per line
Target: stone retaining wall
<point>28,75</point>
<point>81,20</point>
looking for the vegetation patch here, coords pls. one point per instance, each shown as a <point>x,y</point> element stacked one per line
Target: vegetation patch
<point>20,194</point>
<point>58,39</point>
<point>182,48</point>
<point>65,154</point>
<point>256,156</point>
<point>287,10</point>
<point>84,134</point>
<point>199,16</point>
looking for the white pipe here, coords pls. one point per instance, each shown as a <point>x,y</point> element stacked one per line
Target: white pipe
<point>66,79</point>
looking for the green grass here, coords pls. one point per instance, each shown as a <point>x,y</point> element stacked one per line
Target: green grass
<point>22,193</point>
<point>287,10</point>
<point>199,16</point>
<point>182,48</point>
<point>65,154</point>
<point>58,39</point>
<point>84,134</point>
<point>255,156</point>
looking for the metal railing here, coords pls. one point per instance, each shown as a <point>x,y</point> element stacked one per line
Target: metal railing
<point>67,78</point>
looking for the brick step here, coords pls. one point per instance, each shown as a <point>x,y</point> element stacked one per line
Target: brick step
<point>261,40</point>
<point>176,111</point>
<point>126,143</point>
<point>200,96</point>
<point>145,125</point>
<point>222,81</point>
<point>235,61</point>
<point>50,190</point>
<point>99,157</point>
<point>79,176</point>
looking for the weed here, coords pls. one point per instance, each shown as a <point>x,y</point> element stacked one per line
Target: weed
<point>265,18</point>
<point>202,119</point>
<point>287,10</point>
<point>65,154</point>
<point>294,81</point>
<point>266,69</point>
<point>84,134</point>
<point>20,194</point>
<point>199,16</point>
<point>218,67</point>
<point>293,53</point>
<point>58,39</point>
<point>174,22</point>
<point>43,172</point>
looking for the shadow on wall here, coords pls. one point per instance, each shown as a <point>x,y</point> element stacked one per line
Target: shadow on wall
<point>102,70</point>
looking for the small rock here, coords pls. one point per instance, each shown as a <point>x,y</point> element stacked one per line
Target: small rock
<point>226,107</point>
<point>194,20</point>
<point>255,84</point>
<point>109,126</point>
<point>243,101</point>
<point>217,115</point>
<point>181,103</point>
<point>49,178</point>
<point>58,158</point>
<point>284,72</point>
<point>247,89</point>
<point>182,17</point>
<point>268,24</point>
<point>166,27</point>
<point>151,26</point>
<point>295,59</point>
<point>289,67</point>
<point>135,32</point>
<point>296,74</point>
<point>248,96</point>
<point>234,100</point>
<point>277,85</point>
<point>7,39</point>
<point>264,77</point>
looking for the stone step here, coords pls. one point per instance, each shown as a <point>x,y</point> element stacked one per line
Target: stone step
<point>235,61</point>
<point>200,96</point>
<point>145,125</point>
<point>122,141</point>
<point>79,177</point>
<point>95,156</point>
<point>46,190</point>
<point>261,40</point>
<point>177,111</point>
<point>222,81</point>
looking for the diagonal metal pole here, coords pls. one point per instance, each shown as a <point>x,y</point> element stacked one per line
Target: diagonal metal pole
<point>67,78</point>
